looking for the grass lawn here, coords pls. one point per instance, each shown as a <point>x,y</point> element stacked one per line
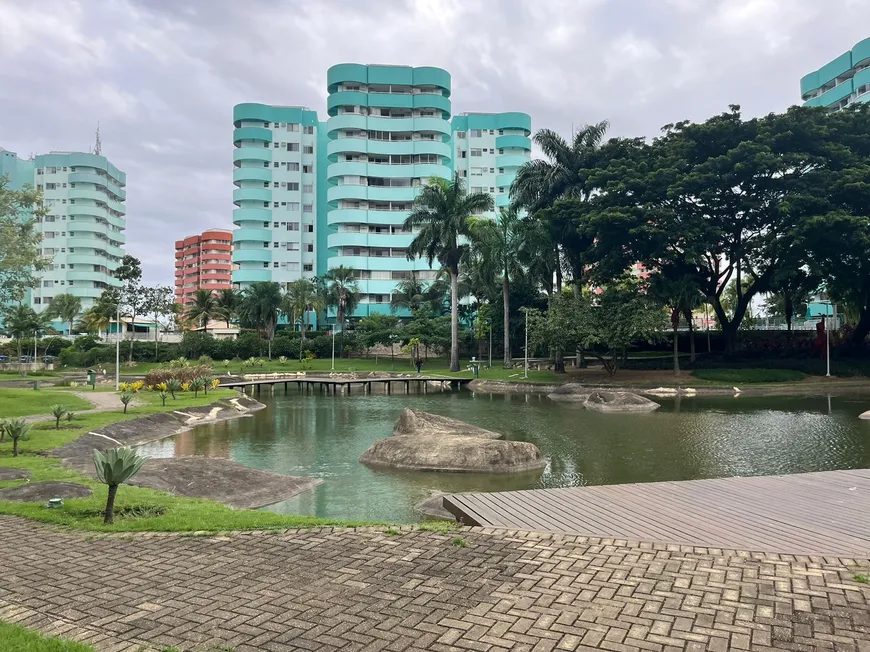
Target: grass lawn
<point>21,402</point>
<point>36,375</point>
<point>137,509</point>
<point>17,639</point>
<point>748,376</point>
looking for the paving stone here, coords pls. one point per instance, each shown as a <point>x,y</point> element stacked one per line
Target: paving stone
<point>358,589</point>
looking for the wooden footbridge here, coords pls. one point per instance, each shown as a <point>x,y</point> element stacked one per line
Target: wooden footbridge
<point>336,385</point>
<point>825,513</point>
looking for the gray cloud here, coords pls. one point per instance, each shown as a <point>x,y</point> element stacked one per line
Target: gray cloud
<point>162,76</point>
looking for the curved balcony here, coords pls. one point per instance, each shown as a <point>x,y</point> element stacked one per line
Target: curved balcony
<point>346,121</point>
<point>432,101</point>
<point>89,242</point>
<point>431,76</point>
<point>251,194</point>
<point>345,98</point>
<point>241,215</point>
<point>262,154</point>
<point>251,133</point>
<point>88,194</point>
<point>260,174</point>
<point>502,201</point>
<point>85,292</point>
<point>511,160</point>
<point>252,234</point>
<point>252,275</point>
<point>519,142</point>
<point>85,275</point>
<point>383,263</point>
<point>354,192</point>
<point>90,226</point>
<point>87,259</point>
<point>252,255</point>
<point>340,239</point>
<point>99,181</point>
<point>361,216</point>
<point>367,146</point>
<point>342,168</point>
<point>432,124</point>
<point>390,124</point>
<point>391,100</point>
<point>346,72</point>
<point>505,180</point>
<point>336,193</point>
<point>861,78</point>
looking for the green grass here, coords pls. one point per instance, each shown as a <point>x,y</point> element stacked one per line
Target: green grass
<point>137,509</point>
<point>22,402</point>
<point>737,376</point>
<point>36,375</point>
<point>459,542</point>
<point>17,639</point>
<point>861,579</point>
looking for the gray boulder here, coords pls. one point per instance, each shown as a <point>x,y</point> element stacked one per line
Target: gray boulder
<point>619,402</point>
<point>417,422</point>
<point>429,442</point>
<point>433,507</point>
<point>572,392</point>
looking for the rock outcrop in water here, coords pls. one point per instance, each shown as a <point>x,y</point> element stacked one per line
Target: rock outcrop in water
<point>430,442</point>
<point>573,392</point>
<point>619,402</point>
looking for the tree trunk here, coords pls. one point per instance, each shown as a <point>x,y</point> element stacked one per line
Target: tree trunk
<point>14,447</point>
<point>558,361</point>
<point>862,328</point>
<point>302,339</point>
<point>691,342</point>
<point>505,296</point>
<point>676,352</point>
<point>729,331</point>
<point>110,505</point>
<point>454,320</point>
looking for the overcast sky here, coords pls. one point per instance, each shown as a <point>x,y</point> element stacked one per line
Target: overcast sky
<point>161,76</point>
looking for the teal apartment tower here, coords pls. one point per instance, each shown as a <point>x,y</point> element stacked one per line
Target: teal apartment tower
<point>840,82</point>
<point>352,179</point>
<point>83,230</point>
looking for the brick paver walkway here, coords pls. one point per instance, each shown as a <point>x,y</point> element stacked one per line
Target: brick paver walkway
<point>364,590</point>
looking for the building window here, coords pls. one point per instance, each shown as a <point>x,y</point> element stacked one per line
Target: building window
<point>292,226</point>
<point>274,225</point>
<point>292,147</point>
<point>275,245</point>
<point>308,149</point>
<point>275,265</point>
<point>292,126</point>
<point>307,169</point>
<point>309,129</point>
<point>308,267</point>
<point>292,205</point>
<point>460,134</point>
<point>275,165</point>
<point>309,248</point>
<point>292,186</point>
<point>309,228</point>
<point>308,187</point>
<point>293,167</point>
<point>476,133</point>
<point>307,208</point>
<point>477,152</point>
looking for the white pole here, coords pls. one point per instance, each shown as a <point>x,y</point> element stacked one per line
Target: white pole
<point>827,345</point>
<point>526,363</point>
<point>490,346</point>
<point>333,349</point>
<point>118,349</point>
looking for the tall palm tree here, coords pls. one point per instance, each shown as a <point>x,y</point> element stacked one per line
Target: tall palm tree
<point>300,299</point>
<point>227,302</point>
<point>65,307</point>
<point>500,244</point>
<point>441,214</point>
<point>343,292</point>
<point>260,305</point>
<point>203,309</point>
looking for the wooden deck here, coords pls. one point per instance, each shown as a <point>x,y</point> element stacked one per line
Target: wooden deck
<point>337,385</point>
<point>825,513</point>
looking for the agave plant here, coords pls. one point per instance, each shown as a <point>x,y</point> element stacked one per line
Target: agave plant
<point>207,383</point>
<point>114,467</point>
<point>283,359</point>
<point>126,398</point>
<point>4,423</point>
<point>58,412</point>
<point>16,429</point>
<point>173,385</point>
<point>163,396</point>
<point>197,385</point>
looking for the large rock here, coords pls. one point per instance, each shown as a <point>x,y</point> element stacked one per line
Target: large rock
<point>570,392</point>
<point>619,402</point>
<point>429,442</point>
<point>417,422</point>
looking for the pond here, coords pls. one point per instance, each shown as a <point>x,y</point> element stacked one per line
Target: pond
<point>687,438</point>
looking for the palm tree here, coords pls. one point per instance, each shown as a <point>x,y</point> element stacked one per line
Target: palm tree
<point>410,294</point>
<point>300,299</point>
<point>500,244</point>
<point>93,321</point>
<point>441,213</point>
<point>227,302</point>
<point>21,321</point>
<point>203,309</point>
<point>65,307</point>
<point>343,293</point>
<point>259,306</point>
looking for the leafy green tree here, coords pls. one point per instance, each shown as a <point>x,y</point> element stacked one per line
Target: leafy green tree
<point>715,201</point>
<point>20,256</point>
<point>92,322</point>
<point>65,307</point>
<point>379,329</point>
<point>203,309</point>
<point>791,289</point>
<point>58,411</point>
<point>681,296</point>
<point>114,467</point>
<point>22,321</point>
<point>433,332</point>
<point>259,308</point>
<point>440,215</point>
<point>132,298</point>
<point>228,304</point>
<point>410,294</point>
<point>160,302</point>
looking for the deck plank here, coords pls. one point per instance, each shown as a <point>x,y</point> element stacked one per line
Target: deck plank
<point>822,513</point>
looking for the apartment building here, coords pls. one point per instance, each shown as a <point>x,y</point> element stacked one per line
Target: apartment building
<point>840,82</point>
<point>203,262</point>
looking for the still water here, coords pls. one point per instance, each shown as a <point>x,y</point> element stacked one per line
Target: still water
<point>687,438</point>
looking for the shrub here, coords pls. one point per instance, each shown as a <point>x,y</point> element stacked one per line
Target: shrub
<point>114,467</point>
<point>737,376</point>
<point>181,374</point>
<point>58,412</point>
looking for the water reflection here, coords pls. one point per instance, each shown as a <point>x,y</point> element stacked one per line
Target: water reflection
<point>689,437</point>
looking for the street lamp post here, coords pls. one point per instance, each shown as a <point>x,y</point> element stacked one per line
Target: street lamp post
<point>333,349</point>
<point>827,346</point>
<point>526,352</point>
<point>118,349</point>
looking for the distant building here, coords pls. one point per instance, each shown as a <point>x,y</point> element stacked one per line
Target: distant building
<point>83,232</point>
<point>840,82</point>
<point>203,262</point>
<point>312,195</point>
